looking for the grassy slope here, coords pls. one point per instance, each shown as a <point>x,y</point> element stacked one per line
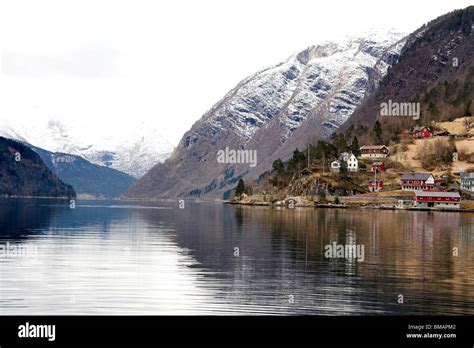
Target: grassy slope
<point>410,158</point>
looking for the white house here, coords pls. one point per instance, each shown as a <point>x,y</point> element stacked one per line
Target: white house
<point>467,182</point>
<point>351,161</point>
<point>335,166</point>
<point>352,164</point>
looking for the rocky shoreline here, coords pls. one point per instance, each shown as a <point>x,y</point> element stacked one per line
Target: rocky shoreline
<point>301,202</point>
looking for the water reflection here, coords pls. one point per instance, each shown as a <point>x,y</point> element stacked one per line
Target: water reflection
<point>114,258</point>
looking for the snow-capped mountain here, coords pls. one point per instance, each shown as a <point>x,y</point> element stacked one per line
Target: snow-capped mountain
<point>134,151</point>
<point>337,75</point>
<point>305,97</point>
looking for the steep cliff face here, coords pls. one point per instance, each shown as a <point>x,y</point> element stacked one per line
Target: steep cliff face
<point>439,52</point>
<point>272,112</point>
<point>23,173</point>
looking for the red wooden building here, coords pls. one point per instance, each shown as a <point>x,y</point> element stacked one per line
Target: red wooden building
<point>378,167</point>
<point>417,181</point>
<point>374,151</point>
<point>421,132</point>
<point>434,199</point>
<point>375,185</point>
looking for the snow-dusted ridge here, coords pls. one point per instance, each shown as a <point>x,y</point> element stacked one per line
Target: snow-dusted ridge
<point>274,111</point>
<point>337,71</point>
<point>134,152</point>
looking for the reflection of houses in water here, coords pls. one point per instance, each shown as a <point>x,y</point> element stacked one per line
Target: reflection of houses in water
<point>351,239</point>
<point>407,240</point>
<point>435,222</point>
<point>423,233</point>
<point>285,249</point>
<point>466,230</point>
<point>434,230</point>
<point>376,237</point>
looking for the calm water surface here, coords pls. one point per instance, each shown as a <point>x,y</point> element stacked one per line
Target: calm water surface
<point>153,258</point>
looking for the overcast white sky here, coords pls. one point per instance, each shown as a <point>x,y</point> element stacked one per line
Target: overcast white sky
<point>165,62</point>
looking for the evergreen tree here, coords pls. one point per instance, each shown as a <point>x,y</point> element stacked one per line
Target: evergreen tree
<point>297,161</point>
<point>322,195</point>
<point>355,147</point>
<point>240,189</point>
<point>278,166</point>
<point>343,169</point>
<point>468,109</point>
<point>340,143</point>
<point>324,149</point>
<point>248,190</point>
<point>433,109</point>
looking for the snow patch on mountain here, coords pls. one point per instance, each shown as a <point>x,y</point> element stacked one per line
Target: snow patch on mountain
<point>332,73</point>
<point>133,152</point>
<point>274,111</point>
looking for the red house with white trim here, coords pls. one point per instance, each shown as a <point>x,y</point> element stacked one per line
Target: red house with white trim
<point>374,151</point>
<point>417,181</point>
<point>434,199</point>
<point>375,185</point>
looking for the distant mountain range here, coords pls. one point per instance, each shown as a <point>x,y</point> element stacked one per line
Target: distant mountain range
<point>86,178</point>
<point>89,164</point>
<point>322,89</point>
<point>272,112</point>
<point>133,152</point>
<point>23,173</point>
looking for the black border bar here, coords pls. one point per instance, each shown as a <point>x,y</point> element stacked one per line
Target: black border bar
<point>222,331</point>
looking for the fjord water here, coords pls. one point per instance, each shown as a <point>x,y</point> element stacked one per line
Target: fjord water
<point>153,258</point>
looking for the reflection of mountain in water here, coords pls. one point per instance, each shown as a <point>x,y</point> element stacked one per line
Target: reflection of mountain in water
<point>23,218</point>
<point>105,257</point>
<point>210,258</point>
<point>20,218</point>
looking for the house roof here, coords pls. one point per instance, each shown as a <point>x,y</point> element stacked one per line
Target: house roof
<point>373,180</point>
<point>416,176</point>
<point>373,147</point>
<point>345,156</point>
<point>437,194</point>
<point>467,175</point>
<point>421,128</point>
